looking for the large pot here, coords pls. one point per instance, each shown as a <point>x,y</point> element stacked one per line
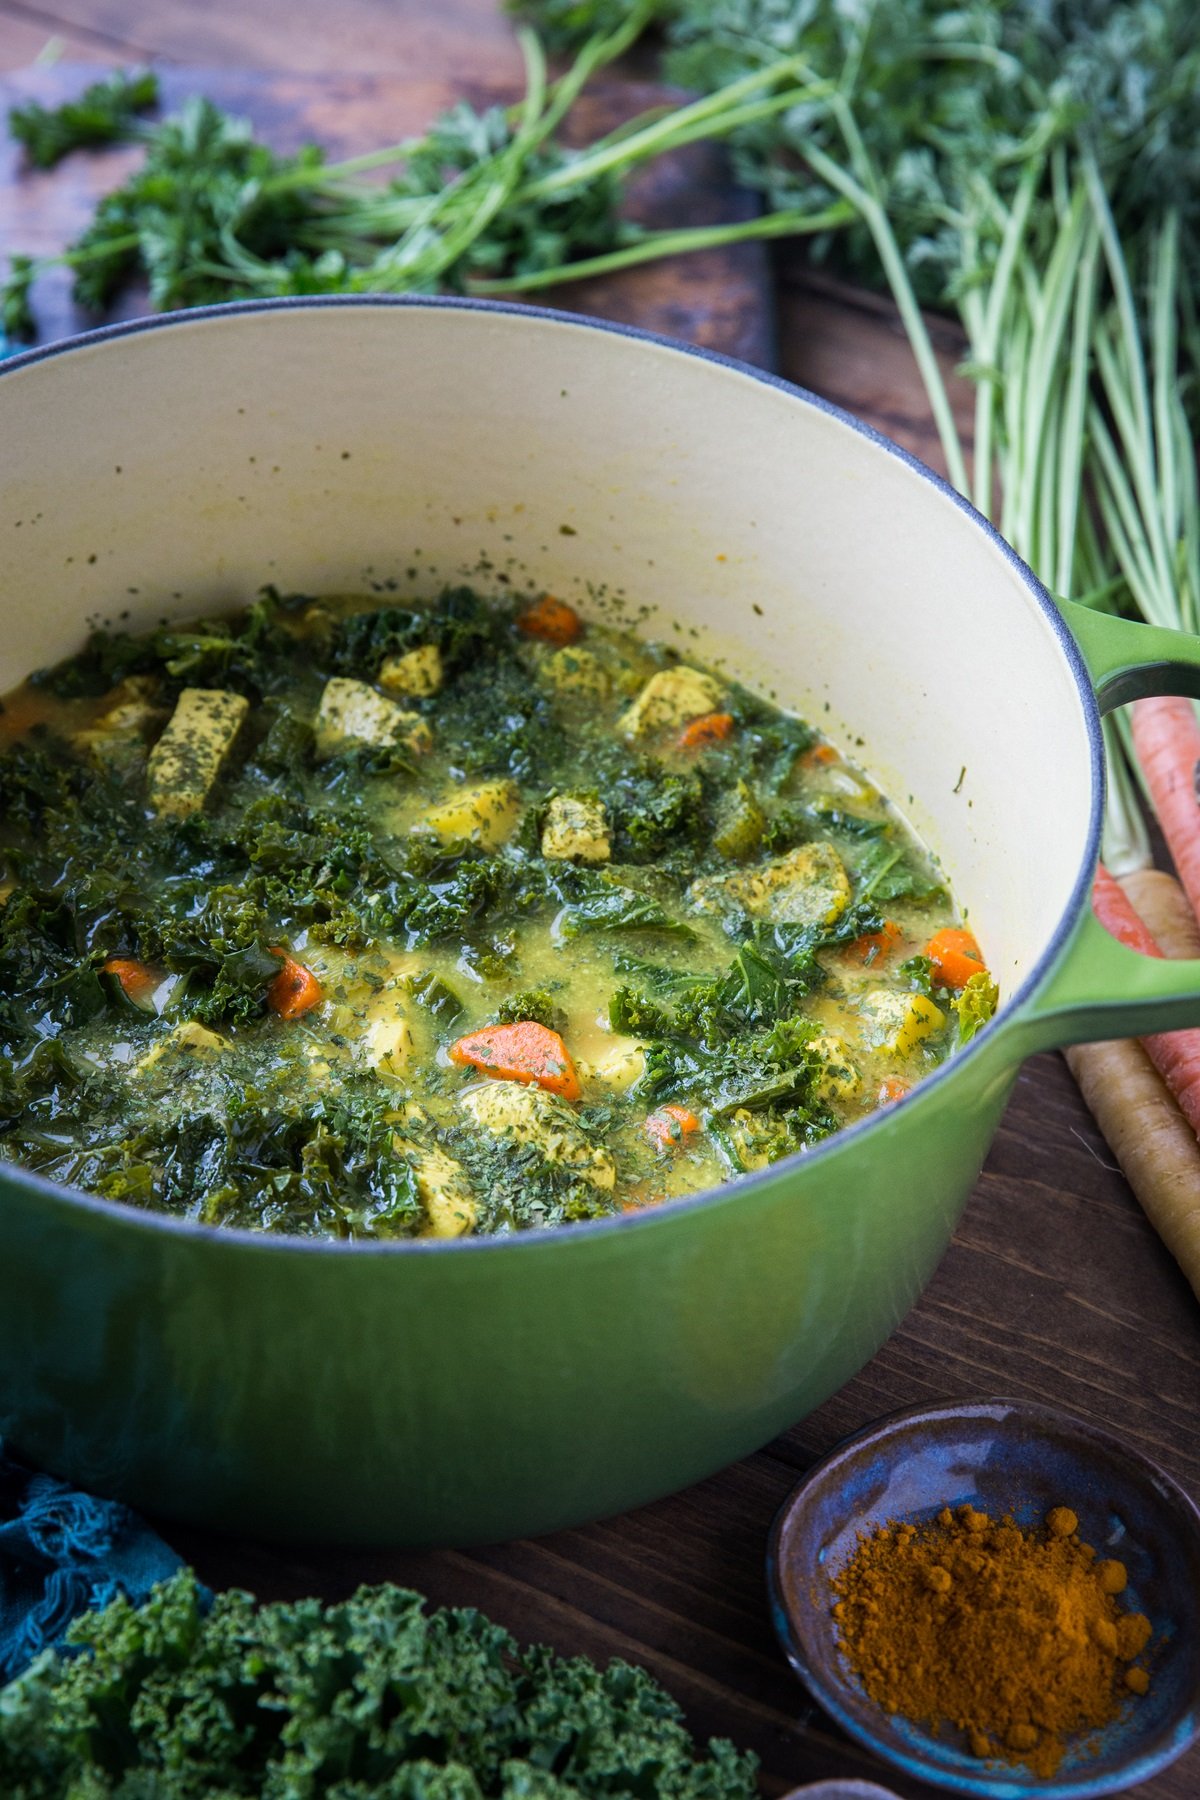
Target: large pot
<point>432,1393</point>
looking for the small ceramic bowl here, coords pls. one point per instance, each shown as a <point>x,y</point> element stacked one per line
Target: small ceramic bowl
<point>1001,1456</point>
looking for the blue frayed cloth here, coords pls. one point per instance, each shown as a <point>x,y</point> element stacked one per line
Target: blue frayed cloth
<point>64,1553</point>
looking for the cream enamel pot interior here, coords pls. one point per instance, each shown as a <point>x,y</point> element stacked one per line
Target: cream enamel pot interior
<point>447,1393</point>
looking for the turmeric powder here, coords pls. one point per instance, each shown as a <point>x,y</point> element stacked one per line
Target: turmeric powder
<point>1014,1636</point>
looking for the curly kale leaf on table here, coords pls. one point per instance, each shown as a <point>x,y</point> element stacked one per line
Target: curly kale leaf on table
<point>374,1698</point>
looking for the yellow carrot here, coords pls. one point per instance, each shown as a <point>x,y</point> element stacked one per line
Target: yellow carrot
<point>1150,1138</point>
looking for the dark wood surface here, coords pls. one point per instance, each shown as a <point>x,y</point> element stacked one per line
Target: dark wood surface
<point>1054,1287</point>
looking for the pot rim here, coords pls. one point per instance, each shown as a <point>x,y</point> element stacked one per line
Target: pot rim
<point>553,1237</point>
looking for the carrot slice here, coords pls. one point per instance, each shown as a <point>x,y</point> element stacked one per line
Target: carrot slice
<point>709,728</point>
<point>955,956</point>
<point>295,990</point>
<point>523,1051</point>
<point>820,753</point>
<point>551,620</point>
<point>874,944</point>
<point>138,980</point>
<point>891,1088</point>
<point>668,1127</point>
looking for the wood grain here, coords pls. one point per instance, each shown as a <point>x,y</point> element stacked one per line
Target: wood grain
<point>1054,1288</point>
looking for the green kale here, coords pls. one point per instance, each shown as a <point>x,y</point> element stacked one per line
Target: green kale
<point>975,1005</point>
<point>885,871</point>
<point>761,1069</point>
<point>917,971</point>
<point>649,808</point>
<point>435,995</point>
<point>461,625</point>
<point>251,652</point>
<point>247,1157</point>
<point>595,902</point>
<point>532,1003</point>
<point>775,743</point>
<point>371,1698</point>
<point>105,113</point>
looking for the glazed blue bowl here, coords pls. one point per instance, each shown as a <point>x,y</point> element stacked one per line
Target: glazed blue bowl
<point>1001,1456</point>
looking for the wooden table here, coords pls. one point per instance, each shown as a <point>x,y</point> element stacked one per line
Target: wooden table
<point>1054,1287</point>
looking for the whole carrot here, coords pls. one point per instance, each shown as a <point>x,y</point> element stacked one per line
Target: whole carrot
<point>1158,899</point>
<point>1150,1138</point>
<point>1175,1054</point>
<point>1166,740</point>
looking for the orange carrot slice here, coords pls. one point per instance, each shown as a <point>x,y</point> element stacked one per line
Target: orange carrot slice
<point>955,956</point>
<point>709,728</point>
<point>551,620</point>
<point>295,990</point>
<point>668,1127</point>
<point>875,944</point>
<point>891,1088</point>
<point>138,980</point>
<point>820,753</point>
<point>523,1051</point>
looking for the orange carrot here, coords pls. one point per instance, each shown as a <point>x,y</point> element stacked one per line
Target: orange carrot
<point>668,1127</point>
<point>955,956</point>
<point>295,990</point>
<point>1175,1054</point>
<point>873,944</point>
<point>891,1088</point>
<point>1166,738</point>
<point>138,980</point>
<point>820,753</point>
<point>552,620</point>
<point>709,728</point>
<point>524,1051</point>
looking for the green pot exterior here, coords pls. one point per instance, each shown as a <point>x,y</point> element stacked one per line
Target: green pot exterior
<point>425,1394</point>
<point>444,1394</point>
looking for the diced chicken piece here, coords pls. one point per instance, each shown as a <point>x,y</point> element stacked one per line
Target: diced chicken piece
<point>575,671</point>
<point>839,1079</point>
<point>484,814</point>
<point>387,1040</point>
<point>190,1040</point>
<point>670,698</point>
<point>131,714</point>
<point>417,672</point>
<point>187,757</point>
<point>444,1189</point>
<point>898,1022</point>
<point>529,1115</point>
<point>807,886</point>
<point>576,830</point>
<point>352,715</point>
<point>619,1067</point>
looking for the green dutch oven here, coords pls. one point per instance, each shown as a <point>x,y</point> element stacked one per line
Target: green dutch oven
<point>446,1393</point>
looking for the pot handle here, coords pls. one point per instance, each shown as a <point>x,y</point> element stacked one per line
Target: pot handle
<point>1126,661</point>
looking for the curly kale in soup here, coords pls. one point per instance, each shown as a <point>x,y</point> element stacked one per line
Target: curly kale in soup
<point>390,921</point>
